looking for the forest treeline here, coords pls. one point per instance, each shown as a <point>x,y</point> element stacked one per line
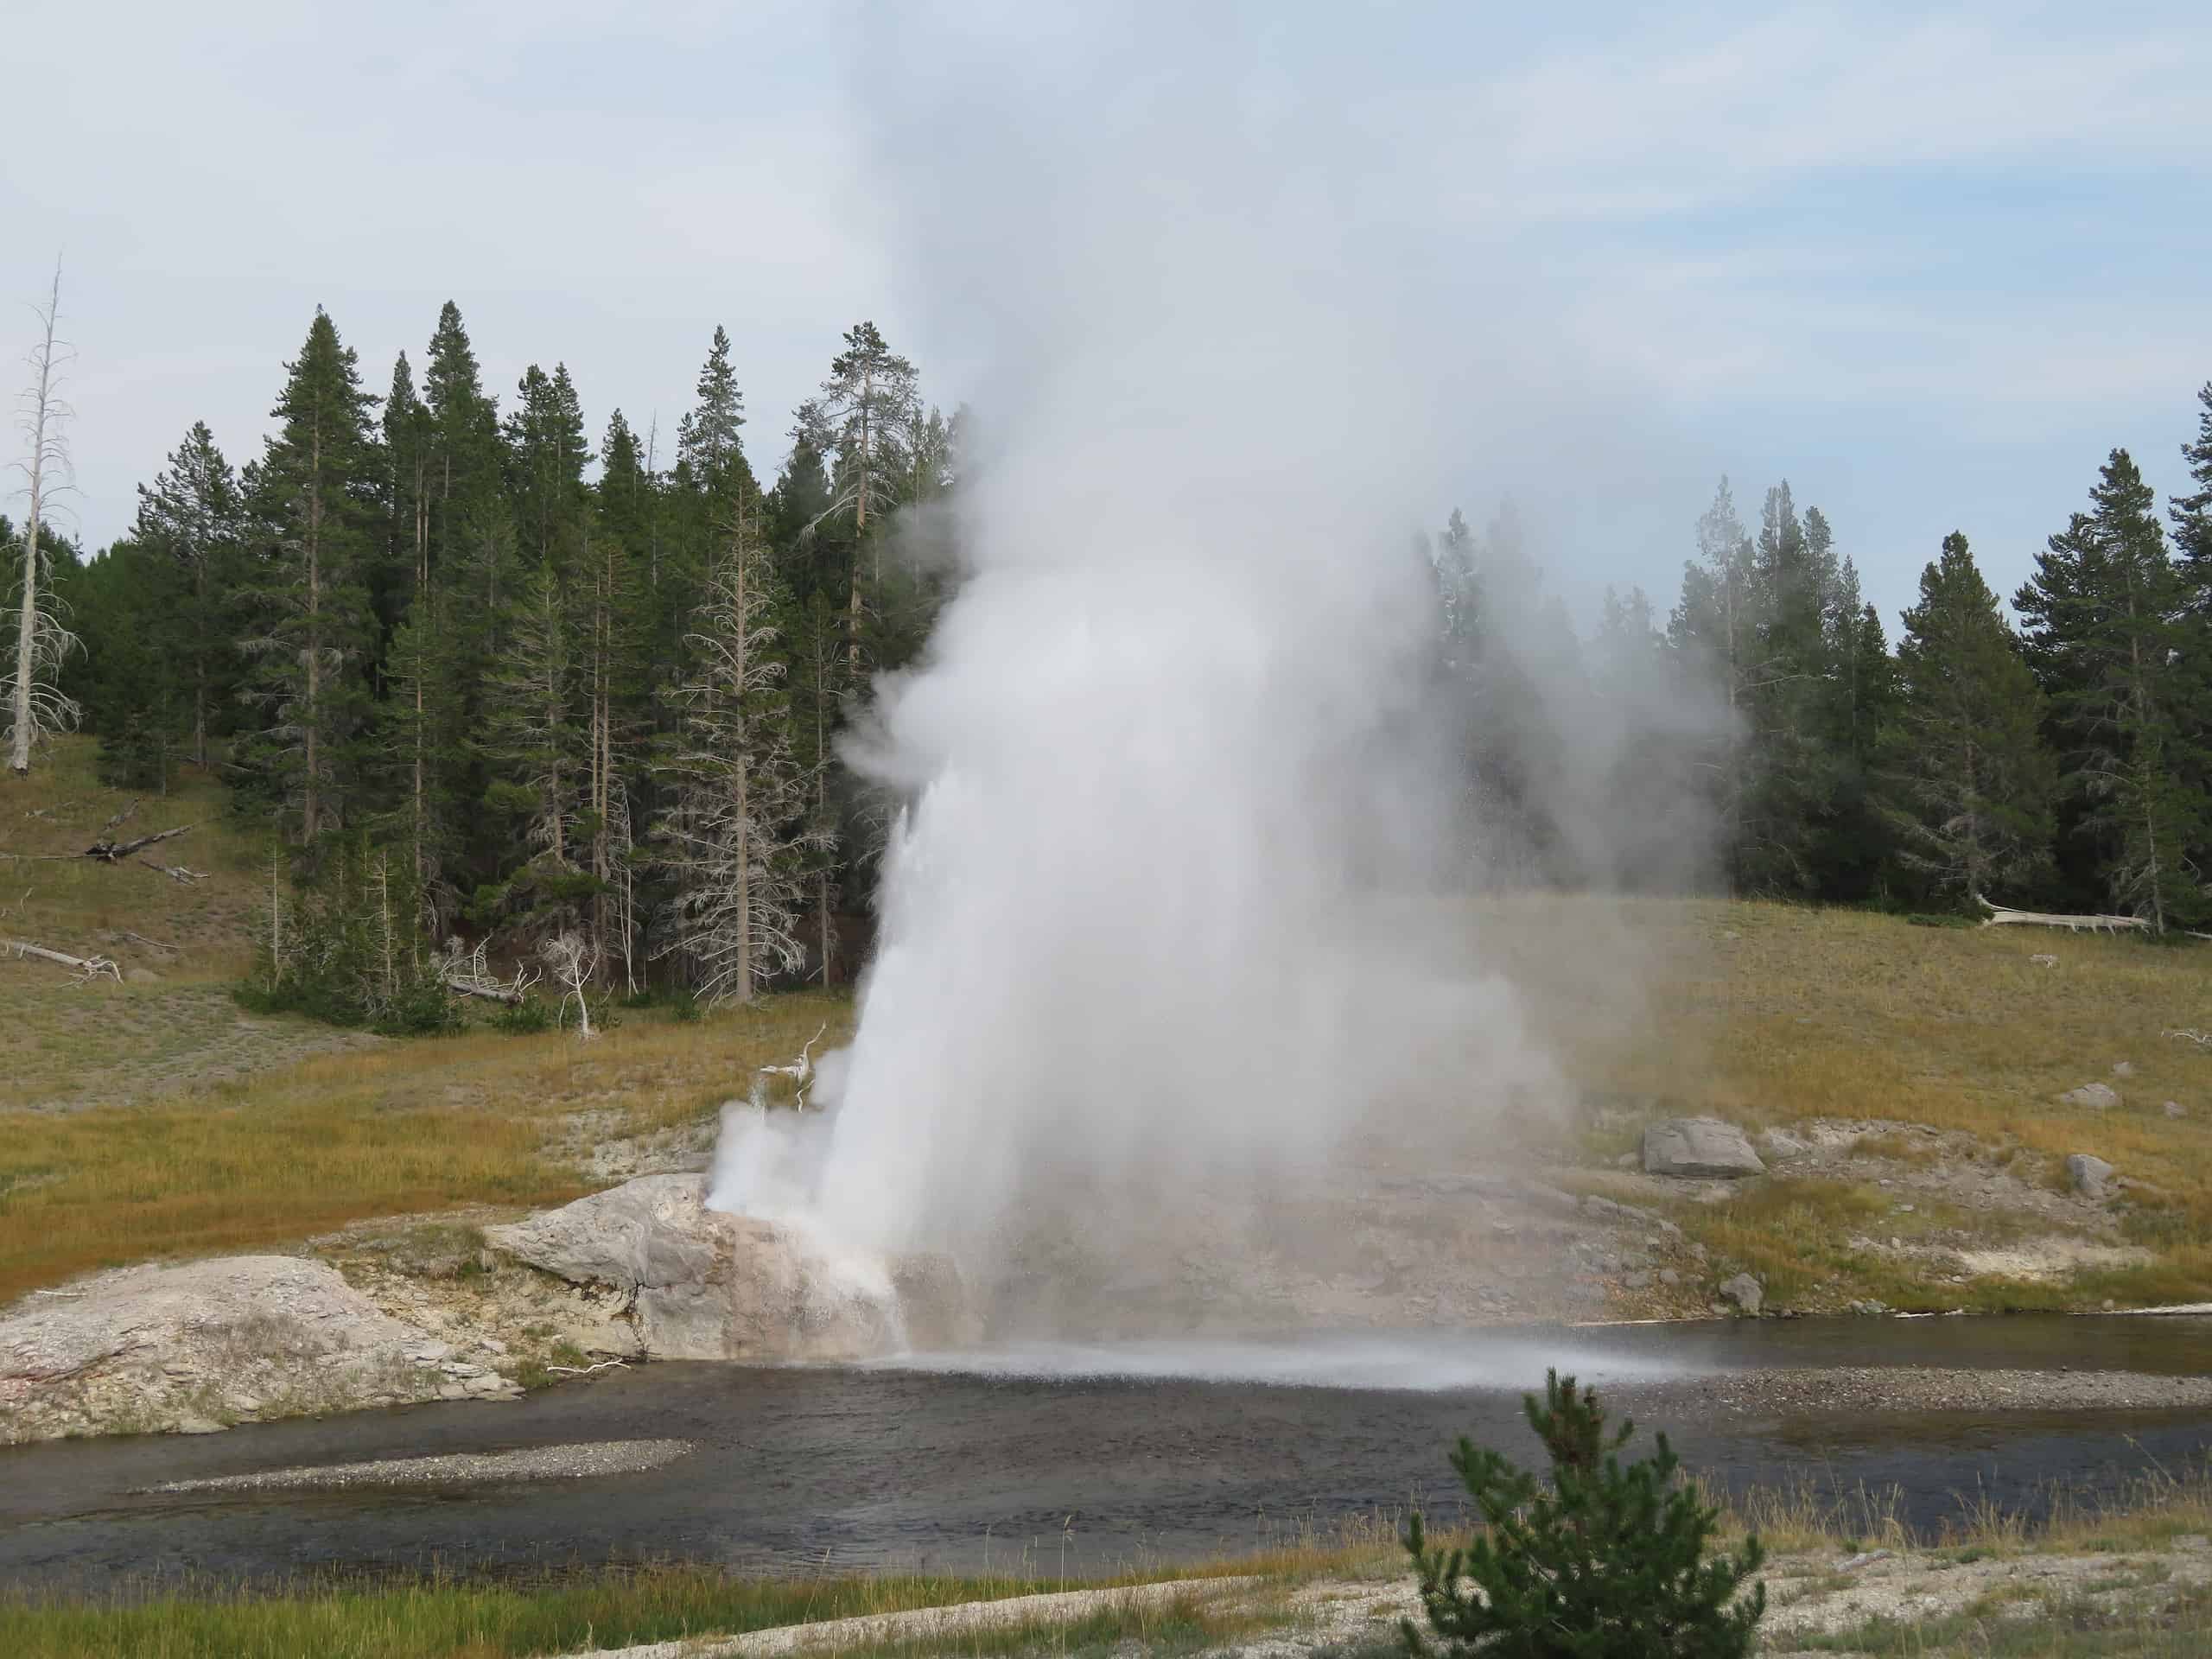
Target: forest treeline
<point>500,679</point>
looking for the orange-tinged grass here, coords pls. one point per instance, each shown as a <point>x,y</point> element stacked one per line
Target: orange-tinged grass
<point>1769,1014</point>
<point>402,1127</point>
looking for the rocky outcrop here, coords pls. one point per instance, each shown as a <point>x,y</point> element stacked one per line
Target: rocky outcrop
<point>203,1344</point>
<point>698,1284</point>
<point>1744,1293</point>
<point>1699,1148</point>
<point>2092,1097</point>
<point>2088,1175</point>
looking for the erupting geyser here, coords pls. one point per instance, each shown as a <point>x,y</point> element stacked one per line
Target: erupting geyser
<point>1164,915</point>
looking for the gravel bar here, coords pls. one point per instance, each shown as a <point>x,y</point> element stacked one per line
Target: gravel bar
<point>1843,1389</point>
<point>454,1469</point>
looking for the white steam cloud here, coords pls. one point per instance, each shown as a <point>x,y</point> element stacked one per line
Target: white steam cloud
<point>1177,910</point>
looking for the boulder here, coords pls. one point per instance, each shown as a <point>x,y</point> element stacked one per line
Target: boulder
<point>701,1284</point>
<point>1743,1291</point>
<point>1691,1148</point>
<point>2089,1176</point>
<point>192,1346</point>
<point>2095,1096</point>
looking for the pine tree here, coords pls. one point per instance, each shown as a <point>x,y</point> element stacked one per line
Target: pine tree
<point>617,625</point>
<point>1964,761</point>
<point>313,498</point>
<point>546,455</point>
<point>859,423</point>
<point>2192,513</point>
<point>1717,631</point>
<point>465,455</point>
<point>534,752</point>
<point>2108,638</point>
<point>735,835</point>
<point>194,515</point>
<point>1610,1563</point>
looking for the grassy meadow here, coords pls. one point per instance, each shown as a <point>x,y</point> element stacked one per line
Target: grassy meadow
<point>157,1118</point>
<point>1772,1015</point>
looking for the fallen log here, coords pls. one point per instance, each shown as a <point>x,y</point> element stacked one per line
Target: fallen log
<point>114,852</point>
<point>468,977</point>
<point>88,967</point>
<point>490,993</point>
<point>2000,917</point>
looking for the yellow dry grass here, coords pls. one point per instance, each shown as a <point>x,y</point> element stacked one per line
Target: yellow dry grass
<point>402,1127</point>
<point>1769,1014</point>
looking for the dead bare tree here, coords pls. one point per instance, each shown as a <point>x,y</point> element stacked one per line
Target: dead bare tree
<point>735,835</point>
<point>573,963</point>
<point>36,706</point>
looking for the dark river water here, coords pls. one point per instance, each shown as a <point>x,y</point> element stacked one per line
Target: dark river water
<point>1087,1460</point>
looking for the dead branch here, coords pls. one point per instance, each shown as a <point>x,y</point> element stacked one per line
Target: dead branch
<point>119,820</point>
<point>178,873</point>
<point>468,977</point>
<point>801,1070</point>
<point>2202,1039</point>
<point>151,944</point>
<point>115,852</point>
<point>586,1371</point>
<point>2000,917</point>
<point>88,967</point>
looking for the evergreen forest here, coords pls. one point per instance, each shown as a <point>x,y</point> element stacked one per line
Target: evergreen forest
<point>516,677</point>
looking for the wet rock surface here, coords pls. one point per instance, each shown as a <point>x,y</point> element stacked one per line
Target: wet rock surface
<point>696,1283</point>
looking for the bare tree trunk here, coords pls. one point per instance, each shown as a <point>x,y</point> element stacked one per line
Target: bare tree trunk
<point>744,823</point>
<point>313,718</point>
<point>860,529</point>
<point>19,755</point>
<point>822,812</point>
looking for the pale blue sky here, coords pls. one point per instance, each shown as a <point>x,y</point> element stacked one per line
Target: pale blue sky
<point>1928,265</point>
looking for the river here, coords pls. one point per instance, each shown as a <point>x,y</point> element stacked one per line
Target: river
<point>1085,1459</point>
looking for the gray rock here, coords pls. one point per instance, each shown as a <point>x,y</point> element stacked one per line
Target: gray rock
<point>2122,1069</point>
<point>2089,1176</point>
<point>2175,1109</point>
<point>2096,1097</point>
<point>700,1284</point>
<point>1670,1277</point>
<point>1637,1281</point>
<point>1744,1292</point>
<point>1690,1147</point>
<point>1781,1143</point>
<point>174,1347</point>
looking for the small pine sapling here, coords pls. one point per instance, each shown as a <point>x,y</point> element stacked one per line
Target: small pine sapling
<point>1608,1562</point>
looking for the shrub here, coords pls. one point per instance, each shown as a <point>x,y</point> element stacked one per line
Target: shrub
<point>347,945</point>
<point>1608,1562</point>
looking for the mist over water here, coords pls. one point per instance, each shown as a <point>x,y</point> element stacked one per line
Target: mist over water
<point>1174,909</point>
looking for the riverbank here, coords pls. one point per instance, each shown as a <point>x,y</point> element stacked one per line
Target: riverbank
<point>2097,1575</point>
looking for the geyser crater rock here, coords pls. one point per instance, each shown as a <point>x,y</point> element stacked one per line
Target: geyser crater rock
<point>1699,1147</point>
<point>702,1284</point>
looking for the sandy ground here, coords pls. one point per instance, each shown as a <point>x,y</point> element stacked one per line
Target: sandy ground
<point>1809,1598</point>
